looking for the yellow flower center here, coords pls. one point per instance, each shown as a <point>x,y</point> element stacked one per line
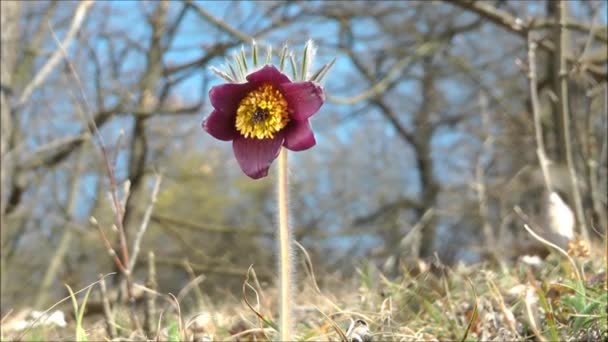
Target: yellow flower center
<point>262,113</point>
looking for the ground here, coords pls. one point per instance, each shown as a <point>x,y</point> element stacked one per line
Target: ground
<point>525,299</point>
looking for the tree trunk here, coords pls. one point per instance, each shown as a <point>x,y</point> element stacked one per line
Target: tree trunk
<point>9,38</point>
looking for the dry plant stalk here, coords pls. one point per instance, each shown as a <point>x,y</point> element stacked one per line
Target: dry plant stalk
<point>150,298</point>
<point>480,182</point>
<point>118,206</point>
<point>527,221</point>
<point>528,299</point>
<point>107,311</point>
<point>35,321</point>
<point>144,224</point>
<point>197,290</point>
<point>563,101</point>
<point>538,126</point>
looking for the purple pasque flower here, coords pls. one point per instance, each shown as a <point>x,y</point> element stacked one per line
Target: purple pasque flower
<point>263,114</point>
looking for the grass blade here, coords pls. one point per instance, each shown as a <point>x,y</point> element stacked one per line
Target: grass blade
<point>473,315</point>
<point>548,314</point>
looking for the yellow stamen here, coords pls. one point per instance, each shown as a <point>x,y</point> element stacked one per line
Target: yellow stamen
<point>262,113</point>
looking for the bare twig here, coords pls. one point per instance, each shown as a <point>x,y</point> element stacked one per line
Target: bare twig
<point>480,181</point>
<point>150,311</point>
<point>598,33</point>
<point>393,74</point>
<point>119,211</point>
<point>109,167</point>
<point>243,37</point>
<point>591,36</point>
<point>107,311</point>
<point>597,178</point>
<point>79,15</point>
<point>108,245</point>
<point>518,26</point>
<point>563,101</point>
<point>538,127</point>
<point>206,227</point>
<point>144,223</point>
<point>48,151</point>
<point>197,290</point>
<point>192,284</point>
<point>411,236</point>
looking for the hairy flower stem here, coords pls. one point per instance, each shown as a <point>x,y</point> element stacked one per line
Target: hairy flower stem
<point>285,267</point>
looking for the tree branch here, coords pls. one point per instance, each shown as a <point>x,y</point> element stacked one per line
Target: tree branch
<point>43,73</point>
<point>518,26</point>
<point>401,203</point>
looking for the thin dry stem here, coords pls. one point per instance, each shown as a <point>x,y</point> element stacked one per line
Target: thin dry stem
<point>532,320</point>
<point>6,315</point>
<point>524,217</point>
<point>108,246</point>
<point>393,74</point>
<point>150,310</point>
<point>309,267</point>
<point>107,311</point>
<point>79,16</point>
<point>246,285</point>
<point>538,127</point>
<point>197,290</point>
<point>264,331</point>
<point>192,284</point>
<point>563,100</point>
<point>480,182</point>
<point>311,273</point>
<point>144,223</point>
<point>35,321</point>
<point>334,325</point>
<point>179,314</point>
<point>507,313</point>
<point>243,37</point>
<point>119,211</point>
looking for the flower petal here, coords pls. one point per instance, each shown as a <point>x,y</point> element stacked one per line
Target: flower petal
<point>220,125</point>
<point>268,74</point>
<point>256,155</point>
<point>304,98</point>
<point>226,97</point>
<point>299,136</point>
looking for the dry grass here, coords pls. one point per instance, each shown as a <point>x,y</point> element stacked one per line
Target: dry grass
<point>474,302</point>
